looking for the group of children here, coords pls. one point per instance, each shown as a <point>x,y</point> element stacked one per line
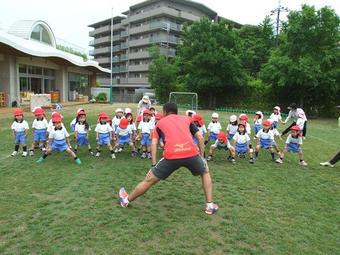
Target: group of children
<point>114,134</point>
<point>123,130</point>
<point>237,138</point>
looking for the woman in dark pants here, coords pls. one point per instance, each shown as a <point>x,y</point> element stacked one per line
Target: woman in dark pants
<point>295,114</point>
<point>332,162</point>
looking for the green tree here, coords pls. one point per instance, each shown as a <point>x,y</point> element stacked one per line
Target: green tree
<point>162,75</point>
<point>306,66</point>
<point>208,60</point>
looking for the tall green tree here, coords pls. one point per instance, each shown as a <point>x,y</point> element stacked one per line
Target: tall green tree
<point>209,61</point>
<point>306,66</point>
<point>162,75</point>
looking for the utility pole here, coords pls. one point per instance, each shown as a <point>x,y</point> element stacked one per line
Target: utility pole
<point>278,12</point>
<point>111,28</point>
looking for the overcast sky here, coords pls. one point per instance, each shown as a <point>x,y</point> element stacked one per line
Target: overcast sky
<point>69,18</point>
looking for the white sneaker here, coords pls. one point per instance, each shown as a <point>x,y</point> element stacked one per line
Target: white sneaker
<point>97,154</point>
<point>24,154</point>
<point>303,163</point>
<point>279,161</point>
<point>31,153</point>
<point>116,150</point>
<point>14,153</point>
<point>113,156</point>
<point>120,149</point>
<point>326,164</point>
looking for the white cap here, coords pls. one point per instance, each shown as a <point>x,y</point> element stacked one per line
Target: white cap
<point>233,118</point>
<point>188,112</point>
<point>80,110</point>
<point>145,99</point>
<point>277,108</point>
<point>259,113</point>
<point>119,110</point>
<point>128,110</point>
<point>214,115</point>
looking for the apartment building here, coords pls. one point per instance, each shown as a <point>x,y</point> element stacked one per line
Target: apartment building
<point>150,22</point>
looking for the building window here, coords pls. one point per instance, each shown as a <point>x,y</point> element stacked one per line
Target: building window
<point>39,33</point>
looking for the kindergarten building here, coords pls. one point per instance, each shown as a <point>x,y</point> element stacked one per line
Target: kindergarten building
<point>30,63</point>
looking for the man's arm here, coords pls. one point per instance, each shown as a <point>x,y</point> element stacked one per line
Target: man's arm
<point>201,145</point>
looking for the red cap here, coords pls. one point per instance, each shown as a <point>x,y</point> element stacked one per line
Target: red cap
<point>139,118</point>
<point>242,123</point>
<point>296,128</point>
<point>18,112</point>
<point>103,115</point>
<point>243,117</point>
<point>222,136</point>
<point>158,116</point>
<point>123,123</point>
<point>81,113</point>
<point>38,112</point>
<point>56,118</point>
<point>266,123</point>
<point>198,118</point>
<point>146,111</point>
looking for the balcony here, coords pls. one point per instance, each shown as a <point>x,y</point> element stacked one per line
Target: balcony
<point>96,31</point>
<point>124,34</point>
<point>139,68</point>
<point>91,52</point>
<point>124,46</point>
<point>140,42</point>
<point>123,57</point>
<point>123,69</point>
<point>116,48</point>
<point>138,81</point>
<point>105,39</point>
<point>104,60</point>
<point>155,26</point>
<point>165,39</point>
<point>91,43</point>
<point>101,50</point>
<point>115,60</point>
<point>139,55</point>
<point>115,81</point>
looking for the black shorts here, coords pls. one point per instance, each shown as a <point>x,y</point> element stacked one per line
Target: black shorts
<point>165,167</point>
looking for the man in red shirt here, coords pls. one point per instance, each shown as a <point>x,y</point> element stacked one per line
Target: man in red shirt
<point>179,151</point>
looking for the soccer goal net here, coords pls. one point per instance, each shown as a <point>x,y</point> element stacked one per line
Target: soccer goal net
<point>186,100</point>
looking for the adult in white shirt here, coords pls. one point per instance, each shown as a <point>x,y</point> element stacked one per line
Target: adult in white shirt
<point>296,114</point>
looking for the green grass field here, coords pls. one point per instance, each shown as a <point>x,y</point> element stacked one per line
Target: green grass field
<point>61,208</point>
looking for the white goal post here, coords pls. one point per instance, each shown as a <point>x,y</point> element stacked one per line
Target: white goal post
<point>188,100</point>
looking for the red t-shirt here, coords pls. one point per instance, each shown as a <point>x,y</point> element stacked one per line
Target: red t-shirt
<point>176,132</point>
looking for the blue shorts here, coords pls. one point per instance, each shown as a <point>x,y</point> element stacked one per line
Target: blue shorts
<point>145,139</point>
<point>241,148</point>
<point>104,139</point>
<point>266,143</point>
<point>230,136</point>
<point>59,145</point>
<point>213,137</point>
<point>122,140</point>
<point>72,126</point>
<point>20,138</point>
<point>82,139</point>
<point>293,147</point>
<point>275,124</point>
<point>40,135</point>
<point>257,128</point>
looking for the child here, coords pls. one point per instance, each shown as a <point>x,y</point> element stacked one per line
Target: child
<point>244,117</point>
<point>198,121</point>
<point>232,127</point>
<point>104,134</point>
<point>39,127</point>
<point>116,119</point>
<point>19,128</point>
<point>50,123</point>
<point>59,141</point>
<point>81,132</point>
<point>301,123</point>
<point>125,136</point>
<point>258,122</point>
<point>145,128</point>
<point>190,113</point>
<point>222,143</point>
<point>242,141</point>
<point>276,116</point>
<point>153,114</point>
<point>214,127</point>
<point>75,120</point>
<point>276,134</point>
<point>293,144</point>
<point>265,139</point>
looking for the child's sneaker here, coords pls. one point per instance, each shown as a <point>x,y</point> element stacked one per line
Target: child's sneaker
<point>14,153</point>
<point>113,156</point>
<point>40,160</point>
<point>91,153</point>
<point>143,155</point>
<point>211,209</point>
<point>251,161</point>
<point>24,154</point>
<point>97,154</point>
<point>327,163</point>
<point>116,150</point>
<point>120,150</point>
<point>78,161</point>
<point>303,163</point>
<point>149,156</point>
<point>233,161</point>
<point>123,197</point>
<point>209,158</point>
<point>31,153</point>
<point>134,154</point>
<point>279,161</point>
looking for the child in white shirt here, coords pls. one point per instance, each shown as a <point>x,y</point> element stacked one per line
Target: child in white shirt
<point>104,134</point>
<point>265,139</point>
<point>232,127</point>
<point>222,143</point>
<point>81,132</point>
<point>214,127</point>
<point>19,129</point>
<point>124,136</point>
<point>242,142</point>
<point>145,128</point>
<point>39,127</point>
<point>276,116</point>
